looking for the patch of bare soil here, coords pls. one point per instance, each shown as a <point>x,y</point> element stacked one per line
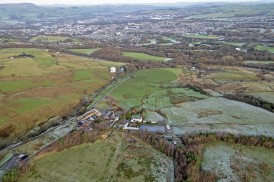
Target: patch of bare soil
<point>207,112</point>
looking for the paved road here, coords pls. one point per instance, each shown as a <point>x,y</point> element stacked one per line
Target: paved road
<point>11,164</point>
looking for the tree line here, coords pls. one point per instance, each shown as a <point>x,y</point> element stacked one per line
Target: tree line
<point>74,138</point>
<point>187,156</point>
<point>249,99</point>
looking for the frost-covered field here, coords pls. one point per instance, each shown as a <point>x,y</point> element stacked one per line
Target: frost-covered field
<point>231,162</point>
<point>219,114</point>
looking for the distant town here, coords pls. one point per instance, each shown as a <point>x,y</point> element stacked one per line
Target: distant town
<point>157,92</point>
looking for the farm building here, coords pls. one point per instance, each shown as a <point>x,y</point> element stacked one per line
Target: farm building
<point>113,70</point>
<point>114,118</point>
<point>154,129</point>
<point>126,127</point>
<point>108,115</point>
<point>138,119</point>
<point>23,156</point>
<point>168,137</point>
<point>122,69</point>
<point>89,114</point>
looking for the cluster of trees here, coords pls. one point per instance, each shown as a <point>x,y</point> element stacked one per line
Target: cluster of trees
<point>249,99</point>
<point>182,54</point>
<point>203,138</point>
<point>5,132</point>
<point>187,156</point>
<point>216,55</point>
<point>15,174</point>
<point>187,167</point>
<point>196,88</point>
<point>72,139</point>
<point>43,127</point>
<point>157,141</point>
<point>269,67</point>
<point>114,54</point>
<point>160,53</point>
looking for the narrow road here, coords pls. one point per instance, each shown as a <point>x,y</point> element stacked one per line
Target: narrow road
<point>11,164</point>
<point>122,81</point>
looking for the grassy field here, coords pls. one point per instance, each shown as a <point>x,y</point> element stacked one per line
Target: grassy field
<point>201,36</point>
<point>132,91</point>
<point>239,44</point>
<point>15,85</point>
<point>78,163</point>
<point>240,80</point>
<point>232,74</point>
<point>150,42</point>
<point>164,98</point>
<point>106,92</point>
<point>259,62</point>
<point>28,104</point>
<point>267,96</point>
<point>232,11</point>
<point>264,48</point>
<point>49,84</point>
<point>53,39</point>
<point>142,56</point>
<point>233,162</point>
<point>219,114</point>
<point>151,89</point>
<point>119,161</point>
<point>84,51</point>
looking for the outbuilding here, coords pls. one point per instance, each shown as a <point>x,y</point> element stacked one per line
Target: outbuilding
<point>113,70</point>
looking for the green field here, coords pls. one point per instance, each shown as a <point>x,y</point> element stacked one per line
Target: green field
<point>150,89</point>
<point>232,11</point>
<point>264,48</point>
<point>241,80</point>
<point>239,44</point>
<point>233,162</point>
<point>164,98</point>
<point>53,39</point>
<point>232,75</point>
<point>82,75</point>
<point>143,83</point>
<point>106,92</point>
<point>49,84</point>
<point>79,163</point>
<point>15,85</point>
<point>151,42</point>
<point>201,36</point>
<point>267,96</point>
<point>169,41</point>
<point>84,51</point>
<point>119,161</point>
<point>27,104</point>
<point>143,57</point>
<point>259,62</point>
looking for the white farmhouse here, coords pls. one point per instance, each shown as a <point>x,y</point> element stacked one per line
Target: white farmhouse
<point>113,70</point>
<point>138,119</point>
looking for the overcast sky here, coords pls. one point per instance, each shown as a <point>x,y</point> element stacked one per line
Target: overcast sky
<point>108,1</point>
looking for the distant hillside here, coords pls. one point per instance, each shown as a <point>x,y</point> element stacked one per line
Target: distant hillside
<point>19,5</point>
